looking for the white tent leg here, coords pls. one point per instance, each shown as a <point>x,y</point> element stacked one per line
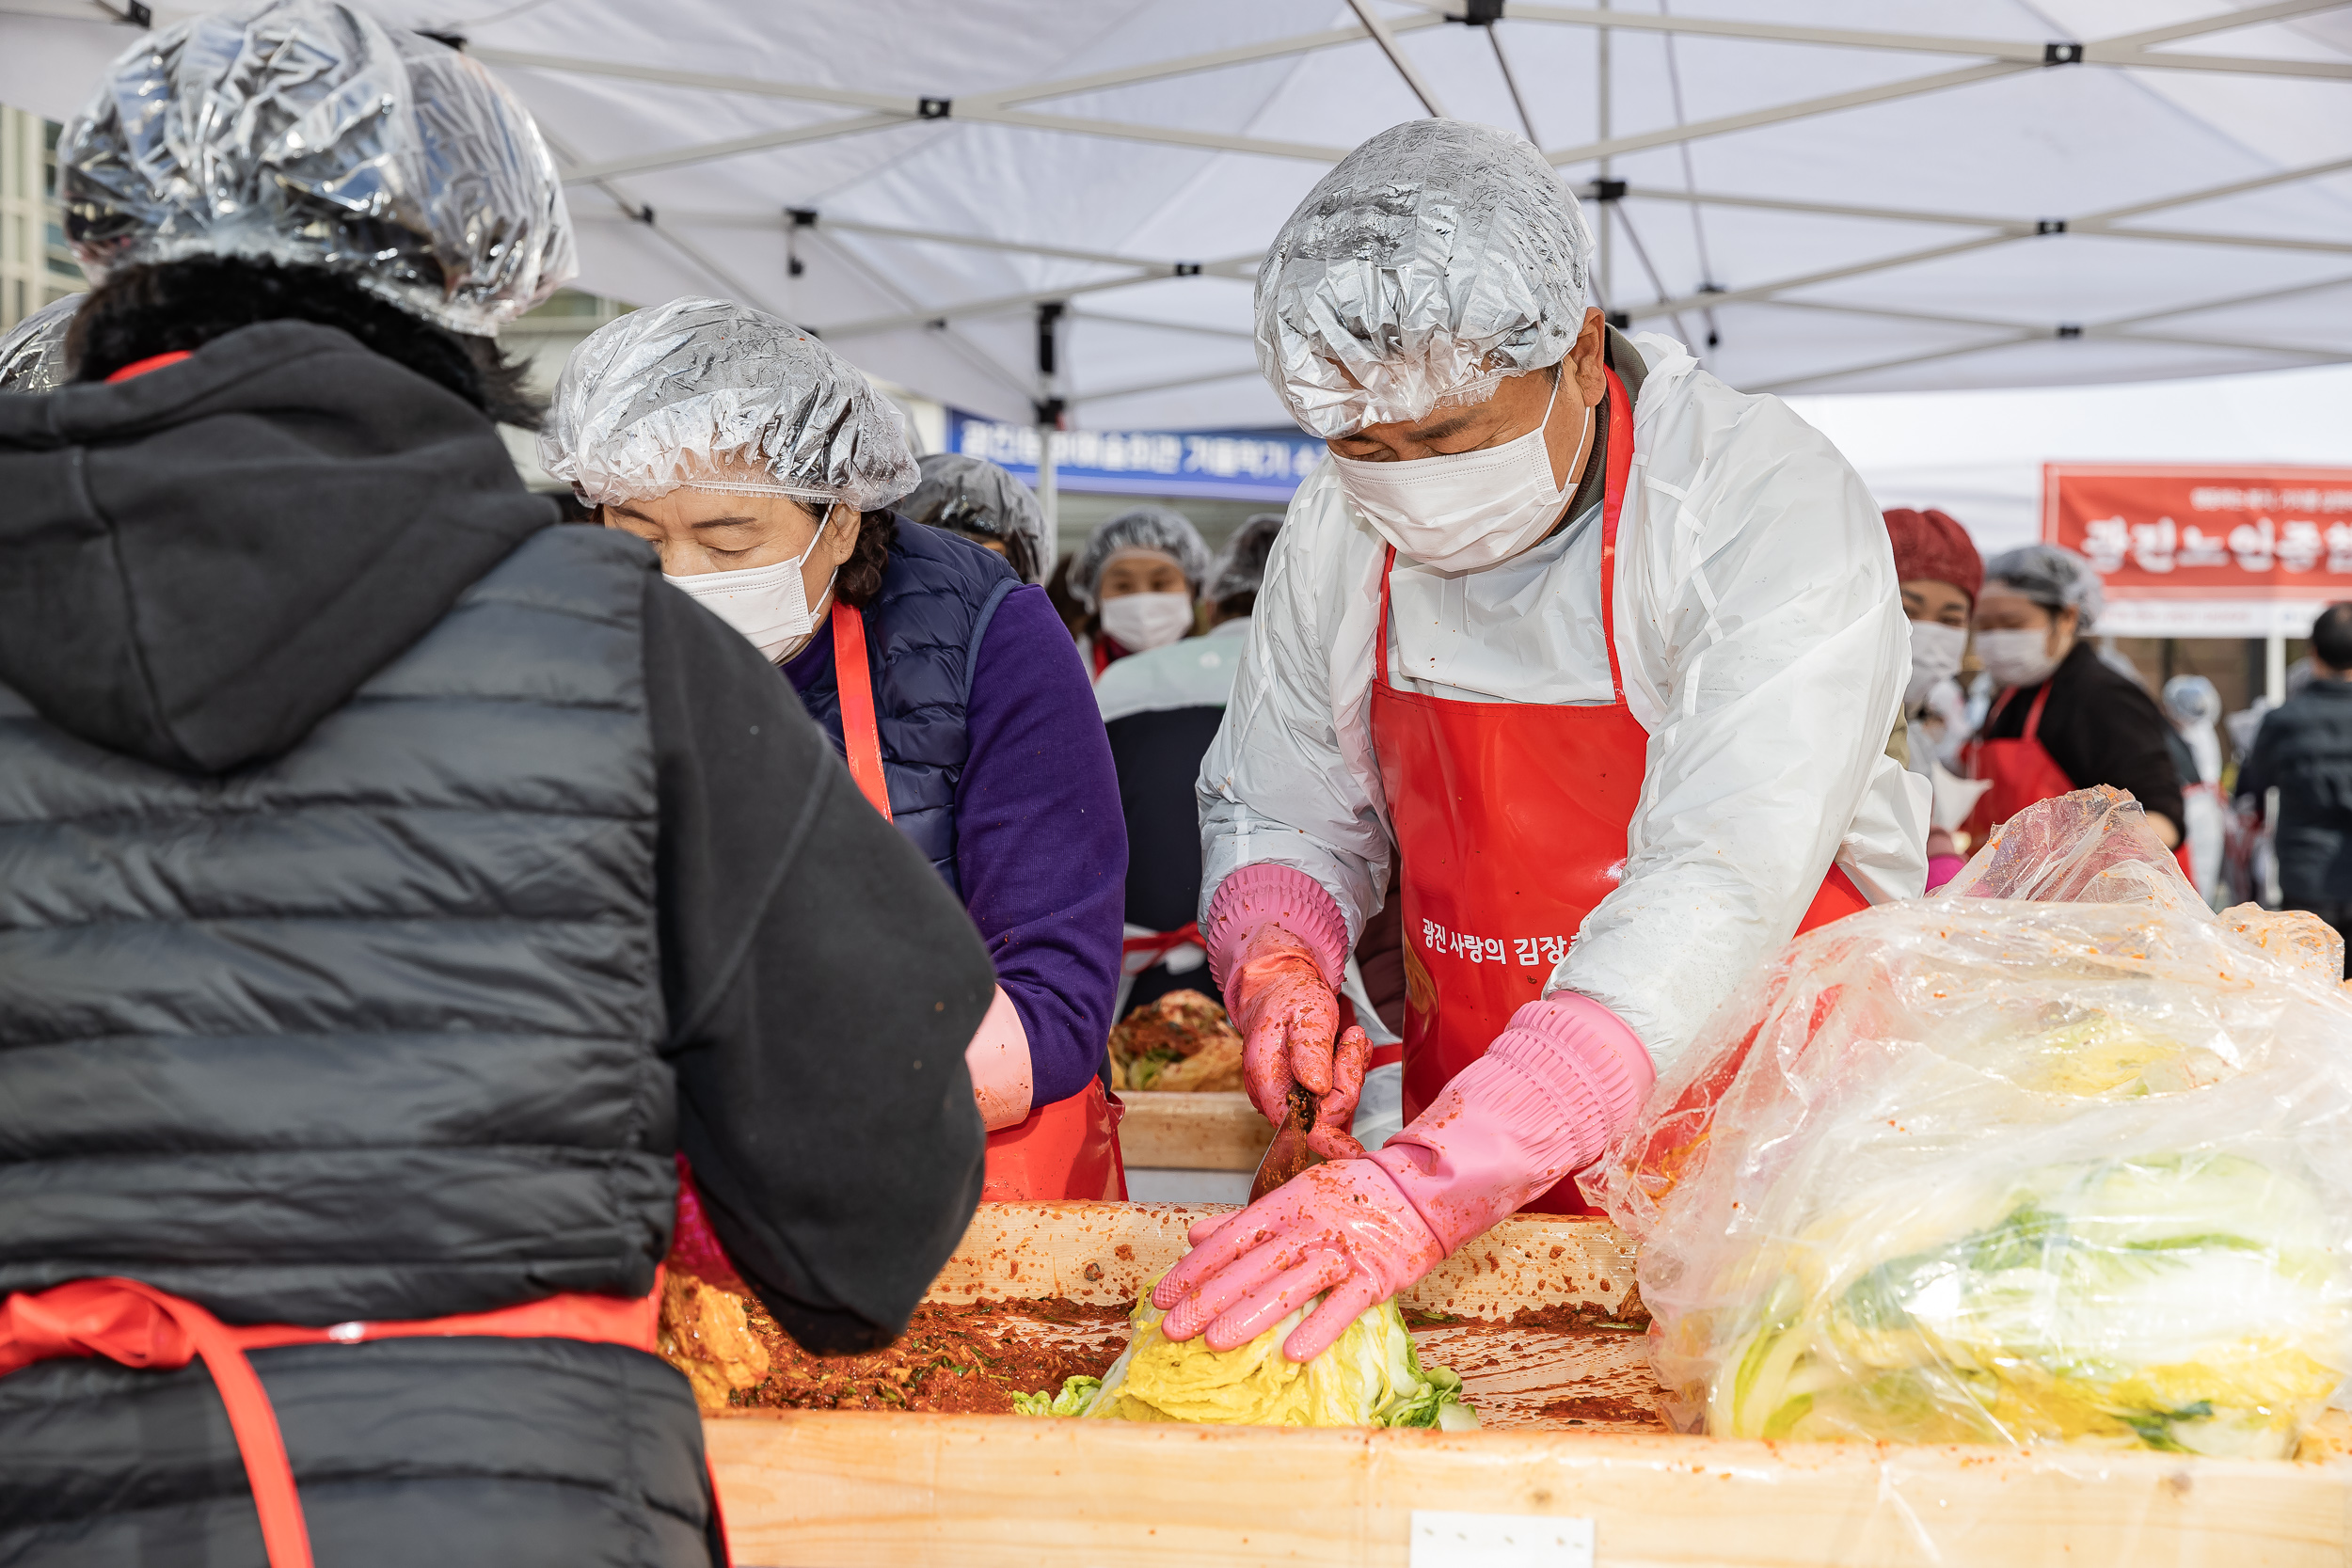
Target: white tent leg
<point>1048,496</point>
<point>2275,668</point>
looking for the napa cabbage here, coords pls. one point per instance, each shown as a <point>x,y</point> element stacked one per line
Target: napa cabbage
<point>2189,1303</point>
<point>1371,1376</point>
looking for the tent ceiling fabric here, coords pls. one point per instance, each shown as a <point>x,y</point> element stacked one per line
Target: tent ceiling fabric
<point>1850,195</point>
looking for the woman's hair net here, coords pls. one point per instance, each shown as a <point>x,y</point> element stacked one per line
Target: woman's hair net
<point>307,133</point>
<point>708,392</point>
<point>1146,528</point>
<point>1241,564</point>
<point>2192,700</point>
<point>1436,259</point>
<point>2053,576</point>
<point>971,495</point>
<point>32,355</point>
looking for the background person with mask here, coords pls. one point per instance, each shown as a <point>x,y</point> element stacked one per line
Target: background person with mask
<point>976,499</point>
<point>1937,567</point>
<point>2061,718</point>
<point>1137,576</point>
<point>762,467</point>
<point>2304,751</point>
<point>1618,695</point>
<point>1162,708</point>
<point>2194,707</point>
<point>396,881</point>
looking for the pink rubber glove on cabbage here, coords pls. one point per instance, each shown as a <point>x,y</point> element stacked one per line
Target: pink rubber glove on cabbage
<point>1277,949</point>
<point>1548,1097</point>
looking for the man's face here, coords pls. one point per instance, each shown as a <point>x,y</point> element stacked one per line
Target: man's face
<point>1516,407</point>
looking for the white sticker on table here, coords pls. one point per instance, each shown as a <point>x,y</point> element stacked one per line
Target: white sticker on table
<point>1499,1541</point>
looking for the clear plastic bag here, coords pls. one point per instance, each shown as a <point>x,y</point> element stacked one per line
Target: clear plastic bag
<point>2057,1155</point>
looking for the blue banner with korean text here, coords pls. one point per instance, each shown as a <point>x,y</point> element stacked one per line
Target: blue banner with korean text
<point>1223,464</point>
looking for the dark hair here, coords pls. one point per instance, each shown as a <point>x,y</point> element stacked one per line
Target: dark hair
<point>1074,614</point>
<point>2331,637</point>
<point>181,306</point>
<point>1019,549</point>
<point>860,576</point>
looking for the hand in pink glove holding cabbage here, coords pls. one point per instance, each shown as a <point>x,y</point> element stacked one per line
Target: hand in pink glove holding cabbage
<point>1550,1094</point>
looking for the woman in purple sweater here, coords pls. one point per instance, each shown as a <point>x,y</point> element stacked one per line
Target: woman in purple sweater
<point>761,467</point>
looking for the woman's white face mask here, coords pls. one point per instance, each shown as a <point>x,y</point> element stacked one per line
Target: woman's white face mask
<point>2017,657</point>
<point>768,605</point>
<point>1935,653</point>
<point>1463,510</point>
<point>1141,622</point>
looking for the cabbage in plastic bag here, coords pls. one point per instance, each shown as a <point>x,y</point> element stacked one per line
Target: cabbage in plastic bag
<point>1371,1376</point>
<point>2058,1157</point>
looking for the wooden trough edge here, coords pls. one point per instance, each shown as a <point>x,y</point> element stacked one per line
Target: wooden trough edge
<point>891,1491</point>
<point>810,1489</point>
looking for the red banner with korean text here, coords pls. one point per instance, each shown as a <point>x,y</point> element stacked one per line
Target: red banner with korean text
<point>2221,532</point>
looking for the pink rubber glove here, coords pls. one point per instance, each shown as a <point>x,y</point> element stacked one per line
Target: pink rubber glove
<point>1546,1098</point>
<point>1942,869</point>
<point>1277,947</point>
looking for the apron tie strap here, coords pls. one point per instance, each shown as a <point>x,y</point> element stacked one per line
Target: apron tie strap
<point>860,738</point>
<point>1137,954</point>
<point>139,1326</point>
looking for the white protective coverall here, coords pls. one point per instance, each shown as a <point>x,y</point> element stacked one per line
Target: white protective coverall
<point>1763,645</point>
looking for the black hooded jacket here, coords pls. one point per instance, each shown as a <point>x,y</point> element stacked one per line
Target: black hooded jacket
<point>390,882</point>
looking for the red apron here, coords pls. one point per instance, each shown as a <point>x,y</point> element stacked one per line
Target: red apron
<point>1510,821</point>
<point>2020,770</point>
<point>2024,772</point>
<point>139,1325</point>
<point>1067,1150</point>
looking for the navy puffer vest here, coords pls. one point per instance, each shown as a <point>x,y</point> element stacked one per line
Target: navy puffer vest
<point>369,1031</point>
<point>923,636</point>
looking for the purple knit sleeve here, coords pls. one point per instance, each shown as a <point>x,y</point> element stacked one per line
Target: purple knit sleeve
<point>1041,844</point>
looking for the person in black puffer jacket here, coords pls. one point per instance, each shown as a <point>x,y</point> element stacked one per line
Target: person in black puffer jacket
<point>2304,751</point>
<point>396,882</point>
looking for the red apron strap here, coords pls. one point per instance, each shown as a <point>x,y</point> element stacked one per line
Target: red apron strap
<point>139,1325</point>
<point>1380,627</point>
<point>152,362</point>
<point>2033,714</point>
<point>854,678</point>
<point>1159,945</point>
<point>1619,467</point>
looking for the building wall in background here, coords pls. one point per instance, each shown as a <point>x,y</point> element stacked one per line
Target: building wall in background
<point>35,265</point>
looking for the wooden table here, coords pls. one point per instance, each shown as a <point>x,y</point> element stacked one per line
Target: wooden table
<point>876,1490</point>
<point>1192,1131</point>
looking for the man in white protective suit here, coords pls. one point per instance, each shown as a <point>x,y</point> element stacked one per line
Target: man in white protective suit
<point>1603,652</point>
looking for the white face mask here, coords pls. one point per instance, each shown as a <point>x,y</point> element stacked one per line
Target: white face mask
<point>1463,510</point>
<point>768,605</point>
<point>1935,650</point>
<point>1140,621</point>
<point>2016,658</point>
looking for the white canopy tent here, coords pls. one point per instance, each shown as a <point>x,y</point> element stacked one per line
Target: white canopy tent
<point>1819,195</point>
